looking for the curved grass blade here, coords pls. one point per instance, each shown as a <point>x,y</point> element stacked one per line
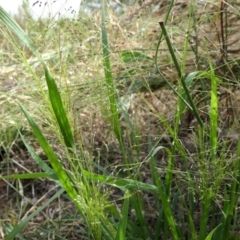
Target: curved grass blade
<point>122,226</point>
<point>193,107</point>
<point>164,197</point>
<point>49,171</point>
<point>133,56</point>
<point>34,175</point>
<point>54,94</point>
<point>18,31</point>
<point>189,82</point>
<point>231,205</point>
<point>114,120</point>
<point>59,111</point>
<point>24,222</point>
<point>57,166</point>
<point>121,183</point>
<point>209,236</point>
<point>213,115</point>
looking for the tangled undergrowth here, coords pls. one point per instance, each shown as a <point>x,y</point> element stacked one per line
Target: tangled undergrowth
<point>154,148</point>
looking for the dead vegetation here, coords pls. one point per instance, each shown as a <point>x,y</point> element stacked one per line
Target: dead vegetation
<point>76,62</point>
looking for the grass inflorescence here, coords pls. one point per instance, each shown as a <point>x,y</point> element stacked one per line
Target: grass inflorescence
<point>121,126</point>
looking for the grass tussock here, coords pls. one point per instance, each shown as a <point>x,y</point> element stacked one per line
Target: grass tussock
<point>121,126</point>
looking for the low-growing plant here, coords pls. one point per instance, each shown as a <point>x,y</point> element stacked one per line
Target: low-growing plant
<point>199,200</point>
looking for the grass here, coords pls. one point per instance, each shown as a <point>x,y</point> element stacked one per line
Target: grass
<point>129,157</point>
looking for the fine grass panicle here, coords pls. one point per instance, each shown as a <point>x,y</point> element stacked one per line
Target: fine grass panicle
<point>121,125</point>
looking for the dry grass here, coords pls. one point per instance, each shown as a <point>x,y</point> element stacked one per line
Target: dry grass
<point>72,49</point>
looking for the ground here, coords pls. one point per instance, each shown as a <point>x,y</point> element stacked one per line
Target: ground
<point>138,30</point>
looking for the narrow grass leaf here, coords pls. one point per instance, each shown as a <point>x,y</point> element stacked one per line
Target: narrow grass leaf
<point>177,142</point>
<point>109,78</point>
<point>18,31</point>
<point>121,231</point>
<point>121,183</point>
<point>59,111</point>
<point>192,230</point>
<point>166,205</point>
<point>49,171</point>
<point>232,204</point>
<point>57,166</point>
<point>165,79</point>
<point>133,56</point>
<point>138,206</point>
<point>213,115</point>
<point>165,199</point>
<point>209,236</point>
<point>191,102</point>
<point>54,94</point>
<point>35,175</point>
<point>8,227</point>
<point>206,204</point>
<point>189,82</point>
<point>171,50</point>
<point>24,222</point>
<point>131,128</point>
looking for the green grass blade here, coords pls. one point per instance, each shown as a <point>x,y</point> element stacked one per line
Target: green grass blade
<point>166,80</point>
<point>55,163</point>
<point>170,48</point>
<point>49,171</point>
<point>156,57</point>
<point>192,230</point>
<point>26,176</point>
<point>138,206</point>
<point>208,195</point>
<point>24,222</point>
<point>223,230</point>
<point>133,56</point>
<point>54,94</point>
<point>165,199</point>
<point>189,80</point>
<point>209,236</point>
<point>18,31</point>
<point>177,142</point>
<point>8,227</point>
<point>131,126</point>
<point>180,74</point>
<point>232,204</point>
<point>121,232</point>
<point>109,78</point>
<point>59,111</point>
<point>213,116</point>
<point>206,204</point>
<point>161,34</point>
<point>121,183</point>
